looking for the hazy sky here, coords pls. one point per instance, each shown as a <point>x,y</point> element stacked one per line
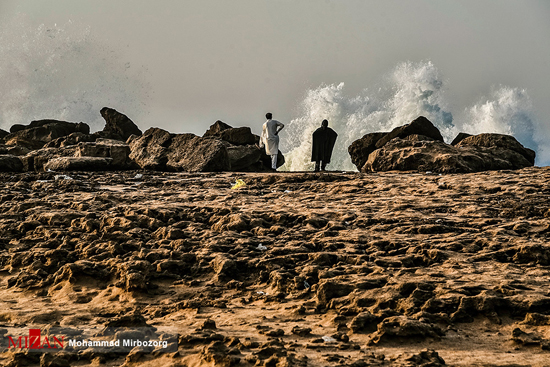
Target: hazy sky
<point>235,60</point>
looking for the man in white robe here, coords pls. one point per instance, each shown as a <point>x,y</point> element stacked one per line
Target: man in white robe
<point>270,138</point>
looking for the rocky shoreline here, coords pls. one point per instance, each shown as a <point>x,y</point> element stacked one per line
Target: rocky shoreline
<point>293,269</point>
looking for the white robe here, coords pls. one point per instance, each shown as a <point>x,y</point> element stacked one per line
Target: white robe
<point>269,137</point>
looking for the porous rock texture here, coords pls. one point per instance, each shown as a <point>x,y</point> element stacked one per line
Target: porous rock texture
<point>293,269</point>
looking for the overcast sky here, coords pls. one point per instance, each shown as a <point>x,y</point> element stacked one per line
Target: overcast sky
<point>205,60</point>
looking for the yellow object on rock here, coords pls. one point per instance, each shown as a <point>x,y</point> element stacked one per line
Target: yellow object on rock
<point>238,184</point>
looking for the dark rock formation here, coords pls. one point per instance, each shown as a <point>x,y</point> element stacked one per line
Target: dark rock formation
<point>191,153</point>
<point>157,149</point>
<point>360,149</point>
<point>416,153</point>
<point>117,125</point>
<point>420,126</point>
<point>243,156</point>
<point>71,139</point>
<point>150,151</point>
<point>38,133</point>
<point>425,150</point>
<point>232,135</point>
<point>216,129</point>
<point>3,133</point>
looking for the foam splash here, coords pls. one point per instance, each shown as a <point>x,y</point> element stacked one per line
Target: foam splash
<point>409,91</point>
<point>62,72</point>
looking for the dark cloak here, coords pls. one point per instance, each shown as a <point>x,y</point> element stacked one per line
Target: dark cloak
<point>323,143</point>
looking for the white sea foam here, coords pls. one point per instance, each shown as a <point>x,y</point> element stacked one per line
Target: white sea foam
<point>409,91</point>
<point>62,72</point>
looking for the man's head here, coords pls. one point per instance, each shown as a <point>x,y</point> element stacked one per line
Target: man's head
<point>324,123</point>
<point>268,116</point>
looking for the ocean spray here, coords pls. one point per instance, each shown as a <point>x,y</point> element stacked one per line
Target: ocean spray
<point>62,72</point>
<point>408,91</point>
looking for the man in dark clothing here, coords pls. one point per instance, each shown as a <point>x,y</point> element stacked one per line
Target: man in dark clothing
<point>323,143</point>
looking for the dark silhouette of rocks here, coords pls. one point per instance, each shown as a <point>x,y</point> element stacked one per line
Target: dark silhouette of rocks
<point>117,125</point>
<point>38,133</point>
<point>419,147</point>
<point>420,126</point>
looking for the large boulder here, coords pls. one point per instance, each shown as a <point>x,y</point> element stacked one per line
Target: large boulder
<point>10,163</point>
<point>419,153</point>
<point>499,142</point>
<point>215,130</point>
<point>157,149</point>
<point>117,125</point>
<point>360,149</point>
<point>191,153</point>
<point>150,150</point>
<point>3,133</point>
<point>420,126</point>
<point>241,157</point>
<point>232,135</point>
<point>40,132</point>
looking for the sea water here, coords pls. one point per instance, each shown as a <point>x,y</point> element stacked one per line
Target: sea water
<point>61,71</point>
<point>410,90</point>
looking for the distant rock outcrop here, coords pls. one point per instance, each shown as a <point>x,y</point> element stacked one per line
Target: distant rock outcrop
<point>117,125</point>
<point>419,147</point>
<point>38,133</point>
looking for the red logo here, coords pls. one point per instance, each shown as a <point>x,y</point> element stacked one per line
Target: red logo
<point>35,340</point>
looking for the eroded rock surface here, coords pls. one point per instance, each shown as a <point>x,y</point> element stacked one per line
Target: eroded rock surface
<point>294,269</point>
